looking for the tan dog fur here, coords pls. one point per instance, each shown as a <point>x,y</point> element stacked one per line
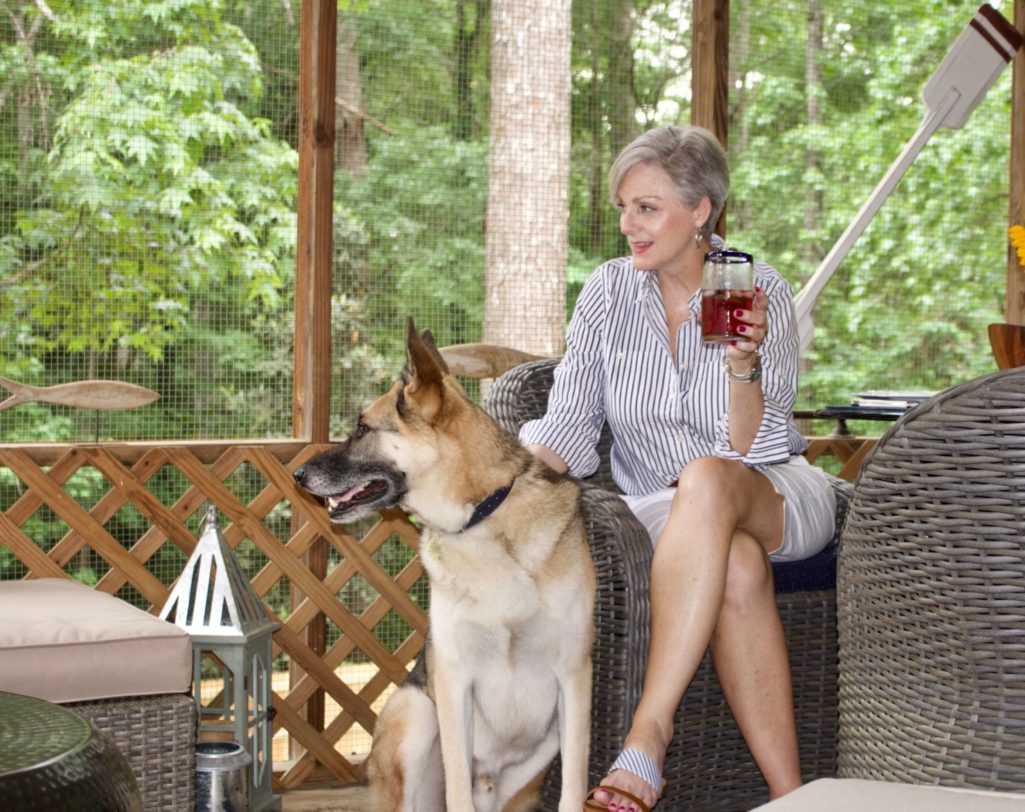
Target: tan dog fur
<point>508,663</point>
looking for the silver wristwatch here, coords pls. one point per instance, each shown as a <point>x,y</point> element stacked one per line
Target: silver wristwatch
<point>749,377</point>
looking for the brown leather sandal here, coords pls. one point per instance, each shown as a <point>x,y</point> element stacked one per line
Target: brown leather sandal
<point>590,805</point>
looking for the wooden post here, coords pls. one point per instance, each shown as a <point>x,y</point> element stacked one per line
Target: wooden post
<point>311,388</point>
<point>1015,302</point>
<point>710,63</point>
<point>311,402</point>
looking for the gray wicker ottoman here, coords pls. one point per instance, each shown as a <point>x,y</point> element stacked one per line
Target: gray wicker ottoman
<point>125,670</point>
<point>157,737</point>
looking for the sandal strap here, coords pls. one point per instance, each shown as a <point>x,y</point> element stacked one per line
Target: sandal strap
<point>641,765</point>
<point>591,805</point>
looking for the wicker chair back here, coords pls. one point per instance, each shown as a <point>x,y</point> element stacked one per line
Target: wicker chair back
<point>931,595</point>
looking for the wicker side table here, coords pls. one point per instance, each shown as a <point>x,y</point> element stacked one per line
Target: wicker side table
<point>52,759</point>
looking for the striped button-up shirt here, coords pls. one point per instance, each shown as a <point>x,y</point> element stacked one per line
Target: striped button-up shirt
<point>618,368</point>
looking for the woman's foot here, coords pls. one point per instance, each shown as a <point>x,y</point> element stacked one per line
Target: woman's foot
<point>633,772</point>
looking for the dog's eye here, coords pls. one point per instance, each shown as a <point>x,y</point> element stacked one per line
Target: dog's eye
<point>361,429</point>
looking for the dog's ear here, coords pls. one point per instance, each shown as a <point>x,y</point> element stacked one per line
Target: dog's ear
<point>424,371</point>
<point>431,346</point>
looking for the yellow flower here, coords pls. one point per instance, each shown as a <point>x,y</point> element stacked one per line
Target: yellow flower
<point>1017,234</point>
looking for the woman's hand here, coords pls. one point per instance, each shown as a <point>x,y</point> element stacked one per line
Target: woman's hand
<point>755,326</point>
<point>747,401</point>
<point>548,457</point>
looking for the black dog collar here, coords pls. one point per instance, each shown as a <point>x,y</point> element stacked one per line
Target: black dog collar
<point>488,506</point>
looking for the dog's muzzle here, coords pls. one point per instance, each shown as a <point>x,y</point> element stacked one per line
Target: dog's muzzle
<point>354,495</point>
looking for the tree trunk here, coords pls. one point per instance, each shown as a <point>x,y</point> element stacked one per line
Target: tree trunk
<point>622,103</point>
<point>739,129</point>
<point>470,17</point>
<point>811,251</point>
<point>528,174</point>
<point>710,64</point>
<point>596,127</point>
<point>613,105</point>
<point>350,138</point>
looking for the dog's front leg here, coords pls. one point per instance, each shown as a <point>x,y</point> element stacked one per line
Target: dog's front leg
<point>575,735</point>
<point>454,700</point>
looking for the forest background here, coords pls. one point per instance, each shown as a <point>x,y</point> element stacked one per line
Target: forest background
<point>148,193</point>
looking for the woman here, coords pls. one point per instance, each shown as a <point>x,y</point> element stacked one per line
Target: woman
<point>704,449</point>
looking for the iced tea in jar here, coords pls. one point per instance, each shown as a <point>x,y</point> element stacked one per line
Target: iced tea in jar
<point>727,285</point>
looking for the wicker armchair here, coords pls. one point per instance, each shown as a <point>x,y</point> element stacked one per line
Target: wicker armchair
<point>708,765</point>
<point>931,594</point>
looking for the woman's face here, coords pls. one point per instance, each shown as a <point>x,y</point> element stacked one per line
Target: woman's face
<point>658,226</point>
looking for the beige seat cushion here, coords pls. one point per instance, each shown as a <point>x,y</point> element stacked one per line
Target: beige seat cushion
<point>63,641</point>
<point>857,795</point>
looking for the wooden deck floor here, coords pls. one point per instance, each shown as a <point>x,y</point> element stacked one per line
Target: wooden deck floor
<point>327,799</point>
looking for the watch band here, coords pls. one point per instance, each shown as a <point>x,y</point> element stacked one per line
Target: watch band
<point>749,377</point>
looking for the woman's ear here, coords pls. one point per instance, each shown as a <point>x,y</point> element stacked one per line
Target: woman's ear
<point>702,212</point>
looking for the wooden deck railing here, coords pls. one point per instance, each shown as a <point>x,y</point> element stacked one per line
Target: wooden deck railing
<point>47,472</point>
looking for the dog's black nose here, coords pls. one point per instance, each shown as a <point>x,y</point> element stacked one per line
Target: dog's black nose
<point>299,474</point>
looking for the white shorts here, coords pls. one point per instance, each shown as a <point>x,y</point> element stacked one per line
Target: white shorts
<point>809,508</point>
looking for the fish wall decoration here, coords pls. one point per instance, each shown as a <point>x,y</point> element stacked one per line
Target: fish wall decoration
<point>91,394</point>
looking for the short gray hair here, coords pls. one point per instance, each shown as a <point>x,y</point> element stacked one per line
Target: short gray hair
<point>691,156</point>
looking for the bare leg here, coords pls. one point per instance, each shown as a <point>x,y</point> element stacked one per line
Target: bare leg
<point>717,502</point>
<point>750,655</point>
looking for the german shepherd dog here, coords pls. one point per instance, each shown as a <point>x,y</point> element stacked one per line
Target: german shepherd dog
<point>507,683</point>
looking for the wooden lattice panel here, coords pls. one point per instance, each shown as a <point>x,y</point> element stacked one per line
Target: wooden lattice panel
<point>127,474</point>
<point>208,473</point>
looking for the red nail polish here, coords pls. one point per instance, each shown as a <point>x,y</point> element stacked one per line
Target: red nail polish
<point>737,313</point>
<point>741,328</point>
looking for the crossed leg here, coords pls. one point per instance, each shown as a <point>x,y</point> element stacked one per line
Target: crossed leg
<point>711,584</point>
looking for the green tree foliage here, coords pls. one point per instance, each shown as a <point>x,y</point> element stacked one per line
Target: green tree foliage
<point>908,308</point>
<point>425,221</point>
<point>159,197</point>
<point>147,188</point>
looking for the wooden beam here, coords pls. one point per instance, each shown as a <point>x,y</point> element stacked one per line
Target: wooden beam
<point>710,63</point>
<point>311,405</point>
<point>129,453</point>
<point>1015,303</point>
<point>311,402</point>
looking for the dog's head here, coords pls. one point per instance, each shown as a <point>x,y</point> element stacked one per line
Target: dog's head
<point>391,442</point>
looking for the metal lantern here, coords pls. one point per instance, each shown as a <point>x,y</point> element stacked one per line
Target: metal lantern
<point>215,603</point>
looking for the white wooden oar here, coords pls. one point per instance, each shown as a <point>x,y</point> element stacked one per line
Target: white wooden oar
<point>972,65</point>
